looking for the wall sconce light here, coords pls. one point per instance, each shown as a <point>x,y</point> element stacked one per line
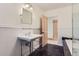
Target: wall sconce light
<point>31,8</point>
<point>27,5</point>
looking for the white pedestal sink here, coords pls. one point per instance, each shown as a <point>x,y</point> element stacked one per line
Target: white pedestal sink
<point>29,37</point>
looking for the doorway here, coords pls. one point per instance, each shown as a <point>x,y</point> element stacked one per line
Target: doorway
<point>49,29</point>
<point>52,30</point>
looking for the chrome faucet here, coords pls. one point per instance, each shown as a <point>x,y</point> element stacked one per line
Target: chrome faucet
<point>27,34</point>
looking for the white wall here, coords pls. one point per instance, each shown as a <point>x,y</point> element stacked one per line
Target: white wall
<point>10,27</point>
<point>64,17</point>
<point>9,16</point>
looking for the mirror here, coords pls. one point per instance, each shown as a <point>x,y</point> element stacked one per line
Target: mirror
<point>26,17</point>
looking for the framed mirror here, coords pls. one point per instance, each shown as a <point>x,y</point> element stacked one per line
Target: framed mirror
<point>26,17</point>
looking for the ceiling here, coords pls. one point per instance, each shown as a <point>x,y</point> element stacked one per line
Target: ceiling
<point>49,6</point>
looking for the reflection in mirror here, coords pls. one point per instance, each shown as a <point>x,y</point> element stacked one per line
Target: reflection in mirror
<point>26,17</point>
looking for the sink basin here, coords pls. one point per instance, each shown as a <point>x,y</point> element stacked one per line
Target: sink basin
<point>29,37</point>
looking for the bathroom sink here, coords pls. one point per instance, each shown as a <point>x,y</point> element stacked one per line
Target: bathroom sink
<point>29,37</point>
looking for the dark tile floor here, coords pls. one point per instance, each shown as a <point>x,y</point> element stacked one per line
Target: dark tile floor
<point>49,50</point>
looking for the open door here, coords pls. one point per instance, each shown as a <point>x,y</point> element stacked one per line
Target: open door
<point>44,29</point>
<point>55,29</point>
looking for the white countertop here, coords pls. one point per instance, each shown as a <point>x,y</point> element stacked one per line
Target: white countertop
<point>29,37</point>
